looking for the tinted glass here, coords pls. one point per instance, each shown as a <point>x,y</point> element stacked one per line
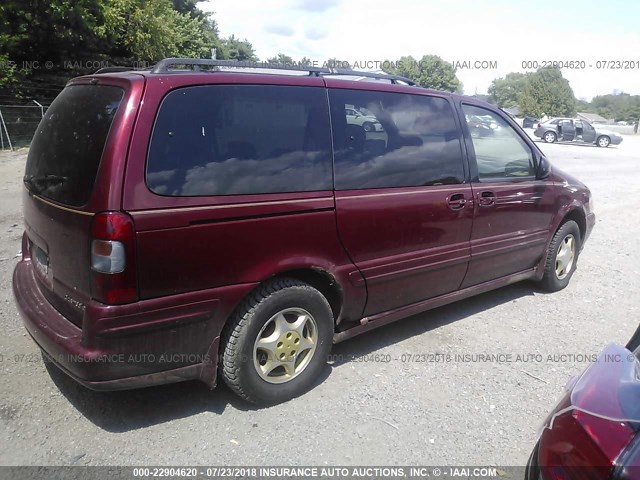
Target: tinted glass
<point>66,149</point>
<point>396,140</point>
<point>500,151</point>
<point>243,139</point>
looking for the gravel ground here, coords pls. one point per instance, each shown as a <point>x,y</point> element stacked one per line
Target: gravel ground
<point>363,412</point>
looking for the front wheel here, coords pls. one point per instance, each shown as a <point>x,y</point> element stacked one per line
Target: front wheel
<point>562,257</point>
<point>550,137</point>
<point>277,342</point>
<point>603,141</point>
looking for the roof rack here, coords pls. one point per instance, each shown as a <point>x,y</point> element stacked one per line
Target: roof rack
<point>164,66</point>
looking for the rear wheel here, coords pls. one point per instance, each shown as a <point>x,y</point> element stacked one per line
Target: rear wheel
<point>603,141</point>
<point>277,342</point>
<point>549,137</point>
<point>562,257</point>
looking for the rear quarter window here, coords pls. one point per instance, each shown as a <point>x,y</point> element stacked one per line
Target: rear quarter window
<point>67,147</point>
<point>242,139</point>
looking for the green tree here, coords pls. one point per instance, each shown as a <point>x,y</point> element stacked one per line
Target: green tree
<point>430,71</point>
<point>188,6</point>
<point>281,59</point>
<point>55,30</point>
<point>547,92</point>
<point>506,92</point>
<point>233,48</point>
<point>148,31</point>
<point>8,72</point>
<point>621,106</point>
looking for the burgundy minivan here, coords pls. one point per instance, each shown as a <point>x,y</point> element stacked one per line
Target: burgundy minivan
<point>181,222</point>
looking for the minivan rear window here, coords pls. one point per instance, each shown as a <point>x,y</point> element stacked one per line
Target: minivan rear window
<point>67,147</point>
<point>241,139</point>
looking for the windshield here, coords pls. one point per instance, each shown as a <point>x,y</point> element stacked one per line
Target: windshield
<point>67,147</point>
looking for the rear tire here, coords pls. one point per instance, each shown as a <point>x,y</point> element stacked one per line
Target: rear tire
<point>562,257</point>
<point>603,141</point>
<point>277,342</point>
<point>549,137</point>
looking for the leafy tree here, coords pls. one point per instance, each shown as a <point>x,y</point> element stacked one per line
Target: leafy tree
<point>149,31</point>
<point>506,92</point>
<point>306,62</point>
<point>188,6</point>
<point>584,106</point>
<point>547,92</point>
<point>620,106</point>
<point>282,59</point>
<point>430,71</point>
<point>233,48</point>
<point>8,72</point>
<point>39,31</point>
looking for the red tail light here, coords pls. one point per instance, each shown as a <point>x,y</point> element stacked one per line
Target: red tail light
<point>582,447</point>
<point>588,432</point>
<point>113,258</point>
<point>539,124</point>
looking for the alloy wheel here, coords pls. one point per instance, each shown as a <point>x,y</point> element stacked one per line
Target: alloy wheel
<point>285,345</point>
<point>565,257</point>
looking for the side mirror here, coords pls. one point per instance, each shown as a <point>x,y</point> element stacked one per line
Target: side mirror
<point>544,168</point>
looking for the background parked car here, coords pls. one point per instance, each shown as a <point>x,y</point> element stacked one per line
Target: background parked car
<point>577,131</point>
<point>368,122</point>
<point>479,126</point>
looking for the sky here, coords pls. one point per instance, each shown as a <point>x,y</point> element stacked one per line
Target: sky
<point>501,33</point>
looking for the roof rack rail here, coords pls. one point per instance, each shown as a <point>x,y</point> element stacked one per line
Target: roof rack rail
<point>113,70</point>
<point>164,66</point>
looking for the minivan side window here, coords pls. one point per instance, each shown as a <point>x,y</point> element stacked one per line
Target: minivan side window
<point>404,141</point>
<point>500,152</point>
<point>241,139</point>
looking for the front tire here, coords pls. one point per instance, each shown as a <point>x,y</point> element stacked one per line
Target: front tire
<point>562,257</point>
<point>549,137</point>
<point>277,342</point>
<point>603,141</point>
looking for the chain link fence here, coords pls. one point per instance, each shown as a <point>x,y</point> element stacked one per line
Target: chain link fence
<point>18,124</point>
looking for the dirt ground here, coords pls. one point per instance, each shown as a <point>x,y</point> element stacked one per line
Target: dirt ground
<point>363,412</point>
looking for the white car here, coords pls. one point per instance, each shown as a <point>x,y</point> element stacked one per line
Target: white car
<point>368,122</point>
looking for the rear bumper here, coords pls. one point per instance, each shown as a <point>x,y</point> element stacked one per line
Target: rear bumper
<point>128,346</point>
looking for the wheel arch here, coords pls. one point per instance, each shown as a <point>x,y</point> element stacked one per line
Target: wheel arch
<point>578,216</point>
<point>321,280</point>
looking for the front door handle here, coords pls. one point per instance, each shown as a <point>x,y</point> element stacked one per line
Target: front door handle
<point>456,201</point>
<point>486,199</point>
